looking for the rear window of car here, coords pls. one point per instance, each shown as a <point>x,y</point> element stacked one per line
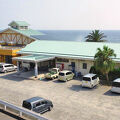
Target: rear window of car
<point>26,105</point>
<point>61,74</point>
<point>86,79</point>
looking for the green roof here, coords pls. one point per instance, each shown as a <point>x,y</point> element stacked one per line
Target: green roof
<point>82,50</point>
<point>28,32</point>
<point>20,23</point>
<point>33,58</point>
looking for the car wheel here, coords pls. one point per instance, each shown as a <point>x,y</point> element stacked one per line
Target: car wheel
<point>5,71</point>
<point>92,86</point>
<point>15,69</point>
<point>50,108</point>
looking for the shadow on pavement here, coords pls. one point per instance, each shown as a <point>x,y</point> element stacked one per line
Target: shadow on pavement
<point>11,115</point>
<point>46,80</point>
<point>11,76</point>
<point>78,88</point>
<point>109,93</point>
<point>58,81</point>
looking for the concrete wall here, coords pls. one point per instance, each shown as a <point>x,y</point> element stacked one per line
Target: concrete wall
<point>78,65</point>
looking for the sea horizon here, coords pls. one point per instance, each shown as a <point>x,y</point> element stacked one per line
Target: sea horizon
<point>77,35</point>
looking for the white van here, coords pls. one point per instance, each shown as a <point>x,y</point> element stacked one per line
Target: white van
<point>116,86</point>
<point>65,75</point>
<point>90,80</point>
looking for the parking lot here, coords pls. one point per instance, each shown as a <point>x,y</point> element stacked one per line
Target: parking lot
<point>70,100</point>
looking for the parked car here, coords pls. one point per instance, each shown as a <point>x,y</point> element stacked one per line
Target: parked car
<point>4,67</point>
<point>65,75</point>
<point>52,74</point>
<point>26,66</point>
<point>38,104</point>
<point>90,80</point>
<point>116,86</point>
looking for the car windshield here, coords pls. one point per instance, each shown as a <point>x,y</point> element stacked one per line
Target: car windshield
<point>116,84</point>
<point>61,74</point>
<point>86,79</point>
<point>53,71</point>
<point>27,105</point>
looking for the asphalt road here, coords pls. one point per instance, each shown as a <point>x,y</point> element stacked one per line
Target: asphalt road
<point>70,100</point>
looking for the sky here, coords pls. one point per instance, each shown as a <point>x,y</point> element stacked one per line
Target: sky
<point>62,14</point>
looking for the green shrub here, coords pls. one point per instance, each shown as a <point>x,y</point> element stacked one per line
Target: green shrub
<point>112,75</point>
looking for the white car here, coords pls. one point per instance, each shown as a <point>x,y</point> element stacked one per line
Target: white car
<point>116,86</point>
<point>4,67</point>
<point>90,80</point>
<point>65,75</point>
<point>52,74</point>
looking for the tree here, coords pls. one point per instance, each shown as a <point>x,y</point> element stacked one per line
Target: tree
<point>104,60</point>
<point>95,36</point>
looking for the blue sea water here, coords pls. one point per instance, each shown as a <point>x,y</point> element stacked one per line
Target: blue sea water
<point>77,35</point>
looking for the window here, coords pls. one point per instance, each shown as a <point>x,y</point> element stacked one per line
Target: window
<point>68,73</point>
<point>73,64</point>
<point>61,74</point>
<point>37,104</point>
<point>26,27</point>
<point>84,65</point>
<point>44,102</point>
<point>8,59</point>
<point>116,84</point>
<point>7,65</point>
<point>27,105</point>
<point>62,60</point>
<point>86,79</point>
<point>94,77</point>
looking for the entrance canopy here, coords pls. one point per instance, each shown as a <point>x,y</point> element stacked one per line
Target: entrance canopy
<point>33,58</point>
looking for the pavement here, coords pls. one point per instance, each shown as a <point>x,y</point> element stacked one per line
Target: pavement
<point>8,116</point>
<point>70,100</point>
<point>29,75</point>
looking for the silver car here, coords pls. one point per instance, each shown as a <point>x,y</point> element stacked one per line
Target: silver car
<point>4,67</point>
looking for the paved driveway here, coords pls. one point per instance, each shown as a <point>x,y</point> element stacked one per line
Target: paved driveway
<point>71,101</point>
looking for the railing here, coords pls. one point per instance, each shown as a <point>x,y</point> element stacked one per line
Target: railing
<point>23,113</point>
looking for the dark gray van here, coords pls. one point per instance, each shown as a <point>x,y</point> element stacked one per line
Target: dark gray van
<point>38,104</point>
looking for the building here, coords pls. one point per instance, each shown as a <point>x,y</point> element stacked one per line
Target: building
<point>14,38</point>
<point>75,56</point>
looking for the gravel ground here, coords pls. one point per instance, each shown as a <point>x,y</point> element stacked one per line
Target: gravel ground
<point>71,101</point>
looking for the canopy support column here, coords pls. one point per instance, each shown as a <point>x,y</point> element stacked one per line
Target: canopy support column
<point>36,69</point>
<point>18,67</point>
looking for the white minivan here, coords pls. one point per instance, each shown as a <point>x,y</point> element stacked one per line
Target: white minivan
<point>65,75</point>
<point>116,86</point>
<point>90,80</point>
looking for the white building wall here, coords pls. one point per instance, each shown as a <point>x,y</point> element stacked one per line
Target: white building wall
<point>78,65</point>
<point>85,71</point>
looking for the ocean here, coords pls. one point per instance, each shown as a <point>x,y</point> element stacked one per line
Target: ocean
<point>77,35</point>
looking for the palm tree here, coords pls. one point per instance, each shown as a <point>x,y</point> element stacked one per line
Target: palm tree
<point>95,36</point>
<point>104,60</point>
